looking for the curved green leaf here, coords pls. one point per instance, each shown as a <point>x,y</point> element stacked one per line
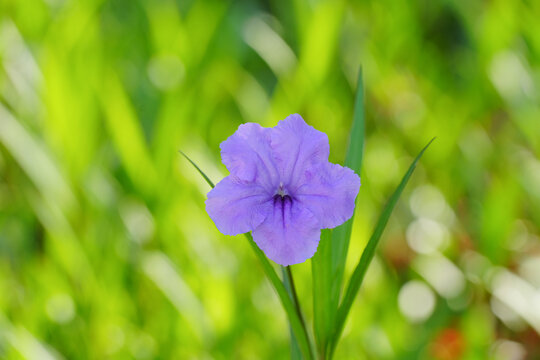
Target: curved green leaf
<point>328,264</point>
<point>360,271</point>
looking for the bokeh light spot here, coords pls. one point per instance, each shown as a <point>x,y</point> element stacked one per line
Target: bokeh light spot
<point>416,301</point>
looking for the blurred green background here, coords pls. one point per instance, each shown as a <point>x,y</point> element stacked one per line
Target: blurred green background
<point>106,251</point>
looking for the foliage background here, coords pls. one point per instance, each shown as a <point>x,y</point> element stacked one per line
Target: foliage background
<point>106,250</point>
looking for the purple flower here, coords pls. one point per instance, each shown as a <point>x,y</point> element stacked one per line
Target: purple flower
<point>282,188</point>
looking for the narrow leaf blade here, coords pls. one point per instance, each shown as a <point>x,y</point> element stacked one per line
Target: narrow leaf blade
<point>321,264</point>
<point>328,264</point>
<point>359,272</point>
<point>341,235</point>
<point>206,178</point>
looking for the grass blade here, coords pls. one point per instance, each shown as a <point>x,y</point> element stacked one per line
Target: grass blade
<point>328,264</point>
<point>360,270</point>
<point>342,234</point>
<point>321,266</point>
<point>206,178</point>
<point>295,321</point>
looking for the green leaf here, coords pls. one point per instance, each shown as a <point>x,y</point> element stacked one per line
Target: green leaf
<point>360,270</point>
<point>322,284</point>
<point>342,234</point>
<point>328,264</point>
<point>206,178</point>
<point>296,354</point>
<point>294,316</point>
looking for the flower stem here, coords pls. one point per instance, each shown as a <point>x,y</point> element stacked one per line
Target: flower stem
<point>289,284</point>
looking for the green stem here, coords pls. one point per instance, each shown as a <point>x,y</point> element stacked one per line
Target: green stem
<point>294,297</point>
<point>300,331</point>
<point>288,272</point>
<point>296,354</point>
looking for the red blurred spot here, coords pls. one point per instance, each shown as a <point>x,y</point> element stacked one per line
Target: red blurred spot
<point>448,345</point>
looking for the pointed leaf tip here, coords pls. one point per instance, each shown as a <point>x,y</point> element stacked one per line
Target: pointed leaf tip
<point>359,272</point>
<point>206,178</point>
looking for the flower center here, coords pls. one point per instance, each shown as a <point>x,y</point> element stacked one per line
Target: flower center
<point>282,203</point>
<point>281,191</point>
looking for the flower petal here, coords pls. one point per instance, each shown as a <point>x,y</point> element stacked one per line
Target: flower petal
<point>289,235</point>
<point>237,206</point>
<point>329,192</point>
<point>297,146</point>
<point>247,154</point>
